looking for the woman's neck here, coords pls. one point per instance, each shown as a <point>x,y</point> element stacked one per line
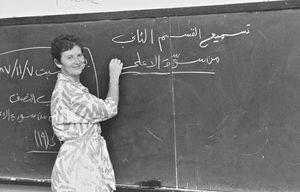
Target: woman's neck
<point>73,78</point>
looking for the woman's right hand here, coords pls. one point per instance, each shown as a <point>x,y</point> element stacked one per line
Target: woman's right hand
<point>115,69</point>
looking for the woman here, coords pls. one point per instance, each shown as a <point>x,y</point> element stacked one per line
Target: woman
<point>83,163</point>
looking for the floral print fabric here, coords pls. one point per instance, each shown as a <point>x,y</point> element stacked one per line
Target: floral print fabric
<point>83,163</point>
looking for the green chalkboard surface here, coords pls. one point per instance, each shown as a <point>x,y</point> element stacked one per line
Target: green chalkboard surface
<point>208,101</point>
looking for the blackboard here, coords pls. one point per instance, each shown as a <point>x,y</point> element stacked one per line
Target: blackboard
<point>207,101</point>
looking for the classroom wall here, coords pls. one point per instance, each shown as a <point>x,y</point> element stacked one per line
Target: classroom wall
<point>17,8</point>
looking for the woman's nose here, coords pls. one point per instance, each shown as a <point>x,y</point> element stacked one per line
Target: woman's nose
<point>77,60</point>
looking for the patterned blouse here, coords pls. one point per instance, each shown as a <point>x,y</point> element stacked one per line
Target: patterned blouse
<point>83,163</point>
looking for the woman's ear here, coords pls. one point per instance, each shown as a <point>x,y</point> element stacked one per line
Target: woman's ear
<point>57,63</point>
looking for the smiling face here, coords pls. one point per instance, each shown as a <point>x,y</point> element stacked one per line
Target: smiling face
<point>71,63</point>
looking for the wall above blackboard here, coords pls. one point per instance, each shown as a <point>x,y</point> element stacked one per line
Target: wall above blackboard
<point>207,101</point>
<point>58,7</point>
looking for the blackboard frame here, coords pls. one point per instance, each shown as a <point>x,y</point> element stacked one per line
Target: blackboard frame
<point>204,10</point>
<point>152,13</point>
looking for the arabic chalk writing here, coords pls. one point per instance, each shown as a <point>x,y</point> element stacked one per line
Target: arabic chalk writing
<point>43,140</point>
<point>139,36</point>
<point>21,70</point>
<point>214,38</point>
<point>29,98</point>
<point>159,62</point>
<point>143,36</point>
<point>11,116</point>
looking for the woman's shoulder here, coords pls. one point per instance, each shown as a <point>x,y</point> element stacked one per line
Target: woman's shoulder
<point>63,87</point>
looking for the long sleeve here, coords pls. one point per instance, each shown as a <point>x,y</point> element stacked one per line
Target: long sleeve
<point>88,106</point>
<point>78,105</point>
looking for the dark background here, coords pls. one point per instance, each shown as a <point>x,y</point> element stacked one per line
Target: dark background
<point>226,125</point>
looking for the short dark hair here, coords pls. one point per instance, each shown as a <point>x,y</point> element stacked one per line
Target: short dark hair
<point>63,43</point>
